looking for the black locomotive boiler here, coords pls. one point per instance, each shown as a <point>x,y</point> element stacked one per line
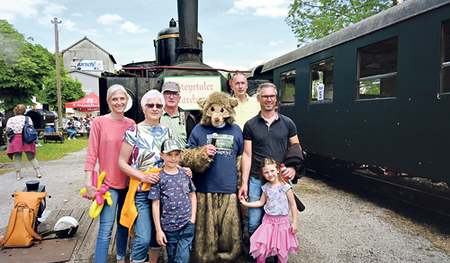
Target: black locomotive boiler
<point>178,53</point>
<point>372,102</point>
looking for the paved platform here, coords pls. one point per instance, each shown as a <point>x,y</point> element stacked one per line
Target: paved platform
<point>79,248</point>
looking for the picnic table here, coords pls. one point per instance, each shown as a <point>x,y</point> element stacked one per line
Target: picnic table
<point>53,136</point>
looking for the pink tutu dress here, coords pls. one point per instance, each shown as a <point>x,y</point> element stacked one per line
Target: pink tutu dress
<point>273,236</point>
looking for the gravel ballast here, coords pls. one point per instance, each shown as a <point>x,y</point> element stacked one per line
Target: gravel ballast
<point>336,226</point>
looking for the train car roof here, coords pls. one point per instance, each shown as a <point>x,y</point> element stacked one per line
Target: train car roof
<point>381,20</point>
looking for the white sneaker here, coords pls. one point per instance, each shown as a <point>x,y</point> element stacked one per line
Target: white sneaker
<point>68,138</point>
<point>74,138</point>
<point>38,145</point>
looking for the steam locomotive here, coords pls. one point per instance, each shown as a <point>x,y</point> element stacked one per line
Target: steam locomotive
<point>178,54</point>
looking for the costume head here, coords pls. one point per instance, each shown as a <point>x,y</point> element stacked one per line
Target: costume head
<point>217,108</point>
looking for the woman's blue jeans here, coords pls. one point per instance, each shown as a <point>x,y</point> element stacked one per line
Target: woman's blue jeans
<point>144,229</point>
<point>255,215</point>
<point>107,219</point>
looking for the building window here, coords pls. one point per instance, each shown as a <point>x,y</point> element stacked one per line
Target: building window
<point>445,57</point>
<point>377,70</point>
<point>287,86</point>
<point>322,78</point>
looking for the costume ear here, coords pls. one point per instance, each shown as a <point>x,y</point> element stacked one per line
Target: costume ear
<point>201,102</point>
<point>234,102</point>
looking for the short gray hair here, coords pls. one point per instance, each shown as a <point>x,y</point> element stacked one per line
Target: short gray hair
<point>266,85</point>
<point>152,94</point>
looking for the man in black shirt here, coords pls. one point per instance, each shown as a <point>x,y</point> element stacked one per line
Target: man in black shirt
<point>268,134</point>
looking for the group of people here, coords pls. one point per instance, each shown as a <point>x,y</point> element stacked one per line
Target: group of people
<point>76,125</point>
<point>160,203</point>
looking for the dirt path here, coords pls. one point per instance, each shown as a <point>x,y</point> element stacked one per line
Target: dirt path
<point>62,178</point>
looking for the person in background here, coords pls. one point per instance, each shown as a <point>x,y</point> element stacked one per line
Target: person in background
<point>248,106</point>
<point>88,119</point>
<point>246,109</point>
<point>181,122</point>
<point>104,146</point>
<point>174,205</point>
<point>38,144</point>
<point>17,146</point>
<point>72,128</point>
<point>265,135</point>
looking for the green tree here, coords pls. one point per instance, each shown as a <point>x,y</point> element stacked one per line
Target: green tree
<point>23,66</point>
<point>314,19</point>
<point>70,89</point>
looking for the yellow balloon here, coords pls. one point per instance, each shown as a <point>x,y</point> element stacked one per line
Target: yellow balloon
<point>109,200</point>
<point>100,180</point>
<point>82,191</point>
<point>95,209</point>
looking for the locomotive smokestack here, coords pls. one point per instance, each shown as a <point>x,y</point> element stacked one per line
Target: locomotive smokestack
<point>188,24</point>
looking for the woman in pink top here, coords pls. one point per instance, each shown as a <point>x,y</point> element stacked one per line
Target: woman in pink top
<point>105,141</point>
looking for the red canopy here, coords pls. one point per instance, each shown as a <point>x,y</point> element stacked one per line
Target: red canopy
<point>89,103</point>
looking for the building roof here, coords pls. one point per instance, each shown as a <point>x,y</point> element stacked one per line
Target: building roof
<point>84,72</point>
<point>99,47</point>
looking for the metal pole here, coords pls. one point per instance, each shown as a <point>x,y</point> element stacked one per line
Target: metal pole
<point>58,78</point>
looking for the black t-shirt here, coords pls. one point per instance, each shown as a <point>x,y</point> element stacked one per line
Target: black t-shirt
<point>268,141</point>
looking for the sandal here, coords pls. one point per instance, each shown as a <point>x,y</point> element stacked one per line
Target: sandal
<point>19,178</point>
<point>39,175</point>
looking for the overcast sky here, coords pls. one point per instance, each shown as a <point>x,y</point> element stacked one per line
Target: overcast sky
<point>237,35</point>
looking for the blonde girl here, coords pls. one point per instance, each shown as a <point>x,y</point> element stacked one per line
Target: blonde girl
<point>275,235</point>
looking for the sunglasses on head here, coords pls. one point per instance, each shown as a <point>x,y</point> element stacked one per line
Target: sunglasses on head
<point>151,105</point>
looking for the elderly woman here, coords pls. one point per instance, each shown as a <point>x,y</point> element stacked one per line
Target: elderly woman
<point>17,146</point>
<point>104,146</point>
<point>140,159</point>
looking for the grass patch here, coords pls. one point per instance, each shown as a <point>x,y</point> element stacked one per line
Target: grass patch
<point>52,150</point>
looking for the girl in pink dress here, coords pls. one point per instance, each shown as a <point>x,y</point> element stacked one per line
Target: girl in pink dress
<point>275,235</point>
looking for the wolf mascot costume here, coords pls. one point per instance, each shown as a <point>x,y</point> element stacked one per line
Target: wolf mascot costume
<point>218,236</point>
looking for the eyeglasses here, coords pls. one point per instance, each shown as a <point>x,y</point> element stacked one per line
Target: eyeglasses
<point>266,97</point>
<point>174,94</point>
<point>151,105</point>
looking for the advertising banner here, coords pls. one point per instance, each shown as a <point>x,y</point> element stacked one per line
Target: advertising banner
<point>90,65</point>
<point>195,87</point>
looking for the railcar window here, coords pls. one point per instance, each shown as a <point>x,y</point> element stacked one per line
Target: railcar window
<point>377,70</point>
<point>445,57</point>
<point>322,78</point>
<point>287,86</point>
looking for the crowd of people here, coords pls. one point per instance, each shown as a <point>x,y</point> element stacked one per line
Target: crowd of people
<point>192,211</point>
<point>77,125</point>
<point>162,204</point>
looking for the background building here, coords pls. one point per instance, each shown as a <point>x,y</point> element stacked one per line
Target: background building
<point>86,61</point>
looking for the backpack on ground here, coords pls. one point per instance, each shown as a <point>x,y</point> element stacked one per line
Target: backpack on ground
<point>22,222</point>
<point>28,133</point>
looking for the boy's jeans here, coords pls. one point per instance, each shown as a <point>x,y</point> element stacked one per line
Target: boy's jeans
<point>179,243</point>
